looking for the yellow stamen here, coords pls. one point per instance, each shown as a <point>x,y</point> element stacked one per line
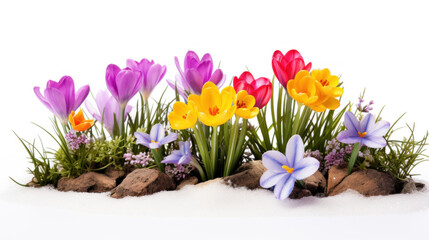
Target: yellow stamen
<point>362,134</point>
<point>288,169</point>
<point>154,141</point>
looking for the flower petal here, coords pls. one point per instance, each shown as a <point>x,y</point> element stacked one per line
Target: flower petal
<point>351,122</point>
<point>170,138</point>
<point>374,142</point>
<point>305,168</point>
<point>195,80</point>
<point>81,95</point>
<point>274,161</point>
<point>348,137</point>
<point>367,122</point>
<point>286,189</point>
<point>111,73</point>
<point>269,178</point>
<point>42,98</point>
<point>142,138</point>
<point>157,133</point>
<point>294,151</point>
<point>58,103</point>
<point>218,78</point>
<point>380,129</point>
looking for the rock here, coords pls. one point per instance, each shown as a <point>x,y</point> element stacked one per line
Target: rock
<point>410,186</point>
<point>190,180</point>
<point>247,175</point>
<point>316,183</point>
<point>298,193</point>
<point>335,176</point>
<point>142,182</point>
<point>114,173</point>
<point>87,182</point>
<point>367,182</point>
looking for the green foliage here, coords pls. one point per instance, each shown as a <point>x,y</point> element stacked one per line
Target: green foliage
<point>401,157</point>
<point>45,172</point>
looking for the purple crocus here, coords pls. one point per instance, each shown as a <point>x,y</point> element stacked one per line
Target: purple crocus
<point>195,74</point>
<point>181,156</point>
<point>366,132</point>
<point>60,97</point>
<point>106,110</point>
<point>156,138</point>
<point>151,74</point>
<point>284,170</point>
<point>123,84</point>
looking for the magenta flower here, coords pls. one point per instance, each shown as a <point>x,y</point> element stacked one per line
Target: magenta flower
<point>283,170</point>
<point>107,109</point>
<point>195,74</point>
<point>156,138</point>
<point>123,84</point>
<point>151,74</point>
<point>366,132</point>
<point>60,97</point>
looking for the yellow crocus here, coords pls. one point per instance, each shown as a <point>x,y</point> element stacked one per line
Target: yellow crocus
<point>303,88</point>
<point>214,108</point>
<point>183,116</point>
<point>245,105</point>
<point>326,90</point>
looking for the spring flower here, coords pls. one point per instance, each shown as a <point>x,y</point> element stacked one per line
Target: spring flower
<point>74,141</point>
<point>151,74</point>
<point>195,74</point>
<point>107,110</point>
<point>286,66</point>
<point>366,132</point>
<point>178,172</point>
<point>183,116</point>
<point>364,109</point>
<point>326,90</point>
<point>303,88</point>
<point>123,84</point>
<point>214,109</point>
<point>60,97</point>
<point>260,88</point>
<point>245,105</point>
<point>284,170</point>
<point>78,121</point>
<point>143,159</point>
<point>156,138</point>
<point>181,156</point>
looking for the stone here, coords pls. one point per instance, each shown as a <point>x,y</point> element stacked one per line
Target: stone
<point>316,183</point>
<point>206,183</point>
<point>247,175</point>
<point>410,186</point>
<point>298,193</point>
<point>190,180</point>
<point>335,176</point>
<point>114,173</point>
<point>367,182</point>
<point>141,182</point>
<point>87,182</point>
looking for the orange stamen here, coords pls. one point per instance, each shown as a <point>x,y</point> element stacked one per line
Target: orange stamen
<point>362,134</point>
<point>214,111</point>
<point>324,82</point>
<point>241,104</point>
<point>185,116</point>
<point>288,169</point>
<point>154,141</point>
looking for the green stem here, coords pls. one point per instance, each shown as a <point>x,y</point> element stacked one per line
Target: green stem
<point>296,120</point>
<point>202,147</point>
<point>121,121</point>
<point>239,146</point>
<point>146,106</point>
<point>231,147</point>
<point>214,150</point>
<point>353,157</point>
<point>200,170</point>
<point>264,130</point>
<point>158,158</point>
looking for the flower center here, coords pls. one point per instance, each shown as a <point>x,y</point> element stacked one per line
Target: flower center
<point>362,134</point>
<point>288,169</point>
<point>185,116</point>
<point>324,82</point>
<point>214,110</point>
<point>241,104</point>
<point>154,141</point>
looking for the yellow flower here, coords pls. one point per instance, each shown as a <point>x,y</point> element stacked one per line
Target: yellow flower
<point>326,90</point>
<point>183,115</point>
<point>245,105</point>
<point>78,121</point>
<point>303,88</point>
<point>214,109</point>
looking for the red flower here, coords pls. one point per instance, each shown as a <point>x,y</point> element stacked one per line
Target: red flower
<point>286,66</point>
<point>261,89</point>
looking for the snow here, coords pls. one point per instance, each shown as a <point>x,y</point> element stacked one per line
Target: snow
<point>213,210</point>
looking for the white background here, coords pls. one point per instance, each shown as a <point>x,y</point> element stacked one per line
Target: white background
<point>380,46</point>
